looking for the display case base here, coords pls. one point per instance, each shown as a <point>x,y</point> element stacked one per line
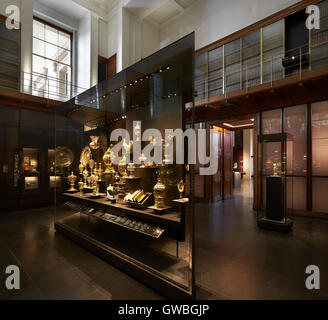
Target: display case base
<point>272,225</point>
<point>127,265</point>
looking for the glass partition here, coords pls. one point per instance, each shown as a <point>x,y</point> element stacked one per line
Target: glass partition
<point>295,124</point>
<point>115,197</point>
<point>319,39</point>
<point>232,66</point>
<point>201,74</point>
<point>272,161</point>
<point>251,59</point>
<point>271,121</point>
<point>320,156</point>
<point>215,72</point>
<point>273,51</point>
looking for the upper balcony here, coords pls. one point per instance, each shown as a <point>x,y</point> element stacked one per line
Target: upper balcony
<point>263,69</point>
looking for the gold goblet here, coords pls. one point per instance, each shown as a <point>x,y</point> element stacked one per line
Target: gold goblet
<point>181,187</point>
<point>72,178</point>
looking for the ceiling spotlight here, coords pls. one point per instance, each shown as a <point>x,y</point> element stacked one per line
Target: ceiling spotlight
<point>136,81</point>
<point>161,71</point>
<point>168,68</point>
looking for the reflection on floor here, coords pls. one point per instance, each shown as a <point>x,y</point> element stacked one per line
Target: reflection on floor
<point>53,267</point>
<point>236,260</point>
<point>160,255</point>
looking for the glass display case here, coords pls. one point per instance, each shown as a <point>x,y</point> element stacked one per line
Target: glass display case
<point>30,169</point>
<point>272,157</point>
<point>115,197</point>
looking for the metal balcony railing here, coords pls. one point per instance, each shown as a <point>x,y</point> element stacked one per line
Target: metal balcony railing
<point>44,86</point>
<point>293,62</point>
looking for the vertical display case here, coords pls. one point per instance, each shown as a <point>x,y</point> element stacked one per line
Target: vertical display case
<point>115,198</point>
<point>30,169</point>
<point>272,157</point>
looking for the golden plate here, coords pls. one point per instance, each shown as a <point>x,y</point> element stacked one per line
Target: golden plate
<point>64,157</point>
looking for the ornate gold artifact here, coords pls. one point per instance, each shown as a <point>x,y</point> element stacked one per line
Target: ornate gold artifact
<point>108,160</point>
<point>159,193</point>
<point>94,144</point>
<point>64,157</point>
<point>181,188</point>
<point>72,179</point>
<point>85,156</point>
<point>131,169</point>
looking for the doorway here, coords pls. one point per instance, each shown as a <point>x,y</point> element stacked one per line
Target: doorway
<point>235,143</point>
<point>106,67</point>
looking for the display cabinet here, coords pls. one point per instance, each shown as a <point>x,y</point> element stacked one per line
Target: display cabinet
<point>272,157</point>
<point>31,170</point>
<point>121,193</point>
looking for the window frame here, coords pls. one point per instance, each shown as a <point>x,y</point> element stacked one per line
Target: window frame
<point>70,33</point>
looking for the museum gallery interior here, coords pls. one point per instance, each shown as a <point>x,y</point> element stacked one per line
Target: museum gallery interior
<point>94,190</point>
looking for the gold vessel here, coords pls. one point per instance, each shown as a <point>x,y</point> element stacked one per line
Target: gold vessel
<point>108,160</point>
<point>181,188</point>
<point>159,193</point>
<point>122,167</point>
<point>100,172</point>
<point>81,185</point>
<point>131,170</point>
<point>81,168</point>
<point>72,178</point>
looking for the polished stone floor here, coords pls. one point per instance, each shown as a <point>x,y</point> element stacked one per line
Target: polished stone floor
<point>53,267</point>
<point>237,260</point>
<point>234,259</point>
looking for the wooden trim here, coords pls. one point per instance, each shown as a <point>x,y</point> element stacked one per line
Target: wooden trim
<point>311,214</point>
<point>110,64</point>
<point>4,18</point>
<point>106,60</point>
<point>102,59</point>
<point>12,98</point>
<point>257,25</point>
<point>281,83</point>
